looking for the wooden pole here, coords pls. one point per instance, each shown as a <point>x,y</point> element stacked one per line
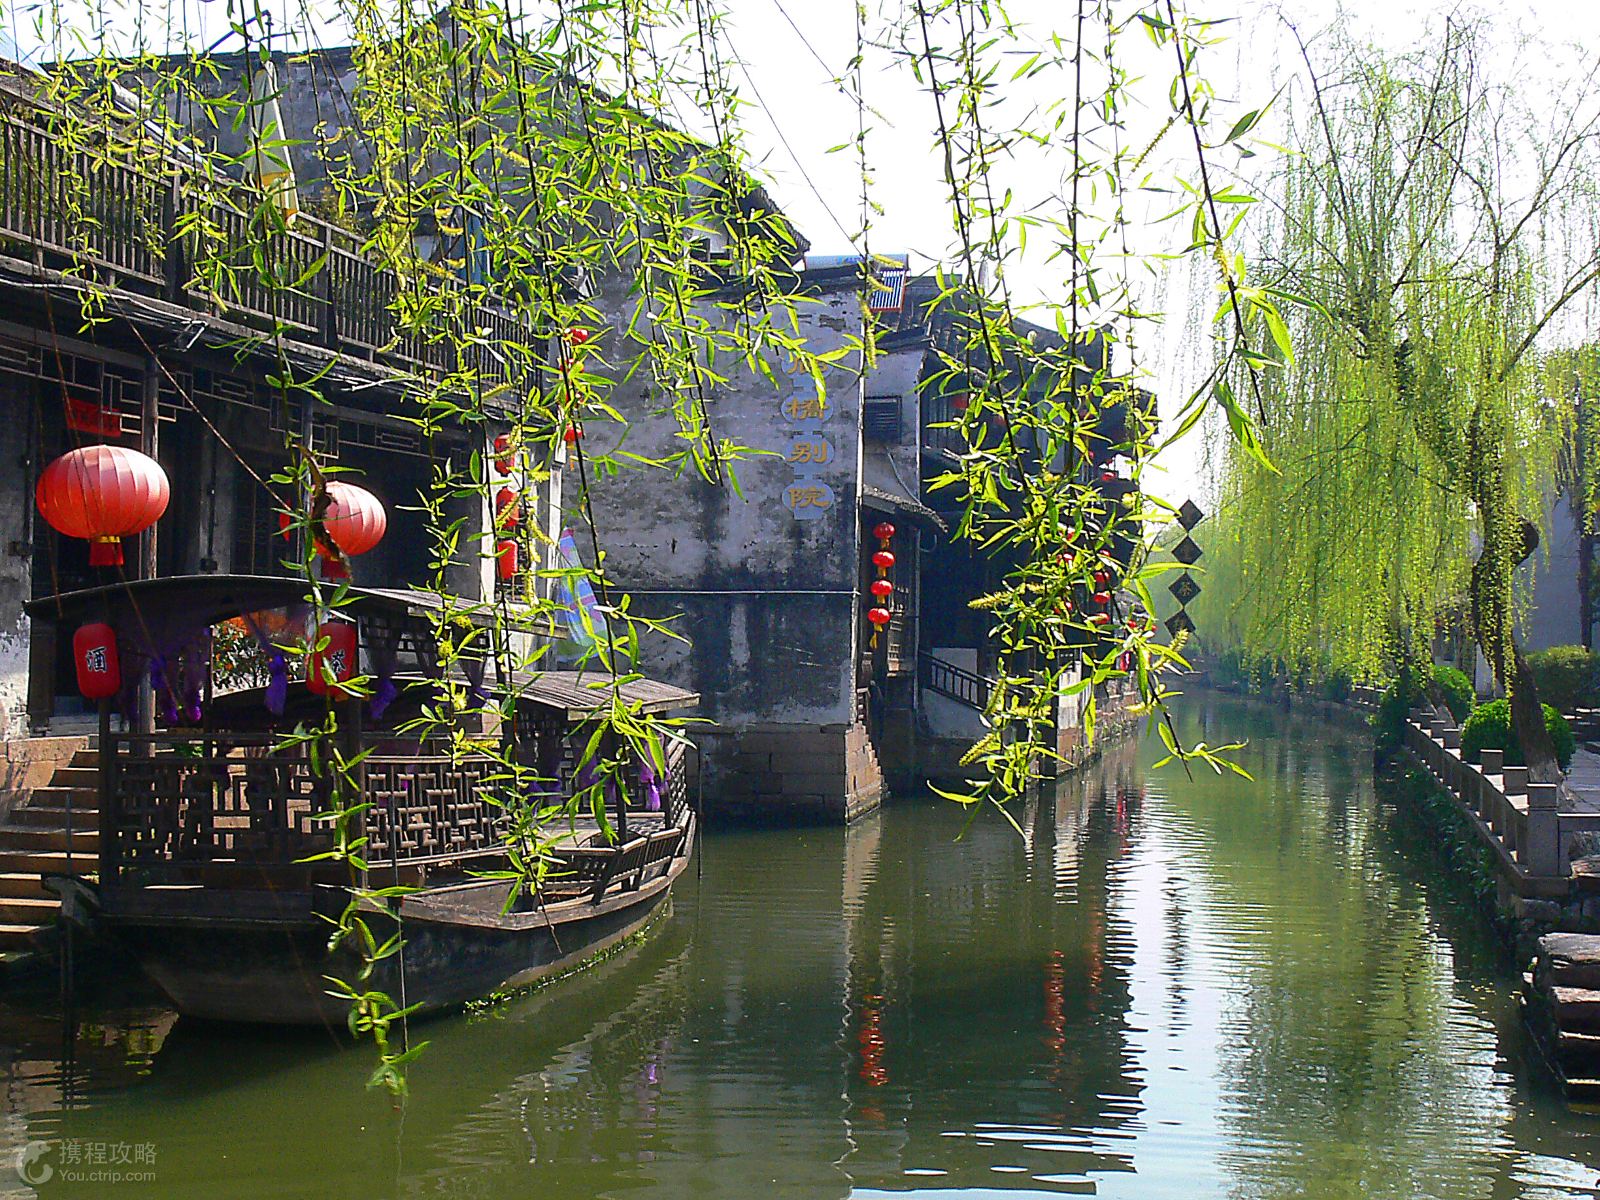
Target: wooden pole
<point>150,443</point>
<point>108,832</point>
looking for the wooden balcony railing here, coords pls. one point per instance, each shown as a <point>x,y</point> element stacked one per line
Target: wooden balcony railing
<point>136,222</point>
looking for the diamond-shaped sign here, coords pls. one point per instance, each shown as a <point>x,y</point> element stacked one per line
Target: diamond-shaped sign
<point>1187,552</point>
<point>1184,588</point>
<point>1179,622</point>
<point>1190,515</point>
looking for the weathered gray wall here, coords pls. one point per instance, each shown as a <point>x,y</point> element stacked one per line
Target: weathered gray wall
<point>765,590</point>
<point>1554,614</point>
<point>16,573</point>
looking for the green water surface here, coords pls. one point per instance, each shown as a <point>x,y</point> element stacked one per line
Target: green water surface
<point>1164,988</point>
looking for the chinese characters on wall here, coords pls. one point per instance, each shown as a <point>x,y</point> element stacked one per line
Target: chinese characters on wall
<point>807,497</point>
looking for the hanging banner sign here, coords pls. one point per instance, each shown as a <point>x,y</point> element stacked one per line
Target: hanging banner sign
<point>585,621</point>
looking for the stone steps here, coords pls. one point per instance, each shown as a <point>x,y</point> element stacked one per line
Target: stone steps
<point>34,841</point>
<point>1562,995</point>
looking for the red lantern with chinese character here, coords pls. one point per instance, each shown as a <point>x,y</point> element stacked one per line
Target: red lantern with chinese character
<point>103,494</point>
<point>879,616</point>
<point>507,508</point>
<point>505,559</point>
<point>883,559</point>
<point>334,663</point>
<point>94,653</point>
<point>881,588</point>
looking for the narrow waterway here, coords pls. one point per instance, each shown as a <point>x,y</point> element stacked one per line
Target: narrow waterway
<point>1164,988</point>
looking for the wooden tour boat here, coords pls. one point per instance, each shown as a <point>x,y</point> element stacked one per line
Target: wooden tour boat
<point>209,826</point>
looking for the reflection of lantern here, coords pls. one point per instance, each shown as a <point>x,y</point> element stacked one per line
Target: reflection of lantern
<point>879,616</point>
<point>334,663</point>
<point>883,559</point>
<point>104,494</point>
<point>881,588</point>
<point>94,653</point>
<point>505,559</point>
<point>884,531</point>
<point>508,508</point>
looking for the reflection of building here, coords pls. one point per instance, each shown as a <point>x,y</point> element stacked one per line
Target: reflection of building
<point>986,989</point>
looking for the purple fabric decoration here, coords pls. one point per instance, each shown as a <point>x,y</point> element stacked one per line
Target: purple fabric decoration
<point>652,786</point>
<point>382,696</point>
<point>542,791</point>
<point>277,683</point>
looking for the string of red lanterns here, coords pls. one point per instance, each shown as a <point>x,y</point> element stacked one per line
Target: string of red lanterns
<point>883,590</point>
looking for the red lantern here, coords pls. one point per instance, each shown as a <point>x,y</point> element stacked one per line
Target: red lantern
<point>335,663</point>
<point>104,494</point>
<point>577,336</point>
<point>354,520</point>
<point>505,559</point>
<point>505,454</point>
<point>883,559</point>
<point>1101,618</point>
<point>508,508</point>
<point>884,531</point>
<point>571,435</point>
<point>94,653</point>
<point>959,403</point>
<point>881,588</point>
<point>1102,578</point>
<point>1101,598</point>
<point>1107,476</point>
<point>879,616</point>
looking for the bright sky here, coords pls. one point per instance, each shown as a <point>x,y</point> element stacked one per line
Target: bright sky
<point>791,49</point>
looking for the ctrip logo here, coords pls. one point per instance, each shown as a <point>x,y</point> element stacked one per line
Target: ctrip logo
<point>31,1165</point>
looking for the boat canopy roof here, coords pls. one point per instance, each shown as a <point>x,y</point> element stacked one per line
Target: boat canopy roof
<point>580,694</point>
<point>209,599</point>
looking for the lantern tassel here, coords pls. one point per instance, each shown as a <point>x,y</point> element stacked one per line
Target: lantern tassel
<point>105,552</point>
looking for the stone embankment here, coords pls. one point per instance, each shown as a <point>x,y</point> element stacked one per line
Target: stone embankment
<point>1547,888</point>
<point>1562,1004</point>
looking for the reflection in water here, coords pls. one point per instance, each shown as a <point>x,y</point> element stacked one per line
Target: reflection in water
<point>1165,987</point>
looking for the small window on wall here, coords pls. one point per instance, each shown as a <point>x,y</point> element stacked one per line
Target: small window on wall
<point>880,420</point>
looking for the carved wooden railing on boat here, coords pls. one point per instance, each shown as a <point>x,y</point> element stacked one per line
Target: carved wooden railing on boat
<point>246,808</point>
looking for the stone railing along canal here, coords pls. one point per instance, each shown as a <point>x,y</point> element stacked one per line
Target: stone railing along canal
<point>1523,822</point>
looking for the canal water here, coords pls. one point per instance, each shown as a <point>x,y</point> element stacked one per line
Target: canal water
<point>1161,988</point>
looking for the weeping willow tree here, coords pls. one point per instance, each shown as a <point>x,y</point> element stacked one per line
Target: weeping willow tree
<point>557,234</point>
<point>1439,230</point>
